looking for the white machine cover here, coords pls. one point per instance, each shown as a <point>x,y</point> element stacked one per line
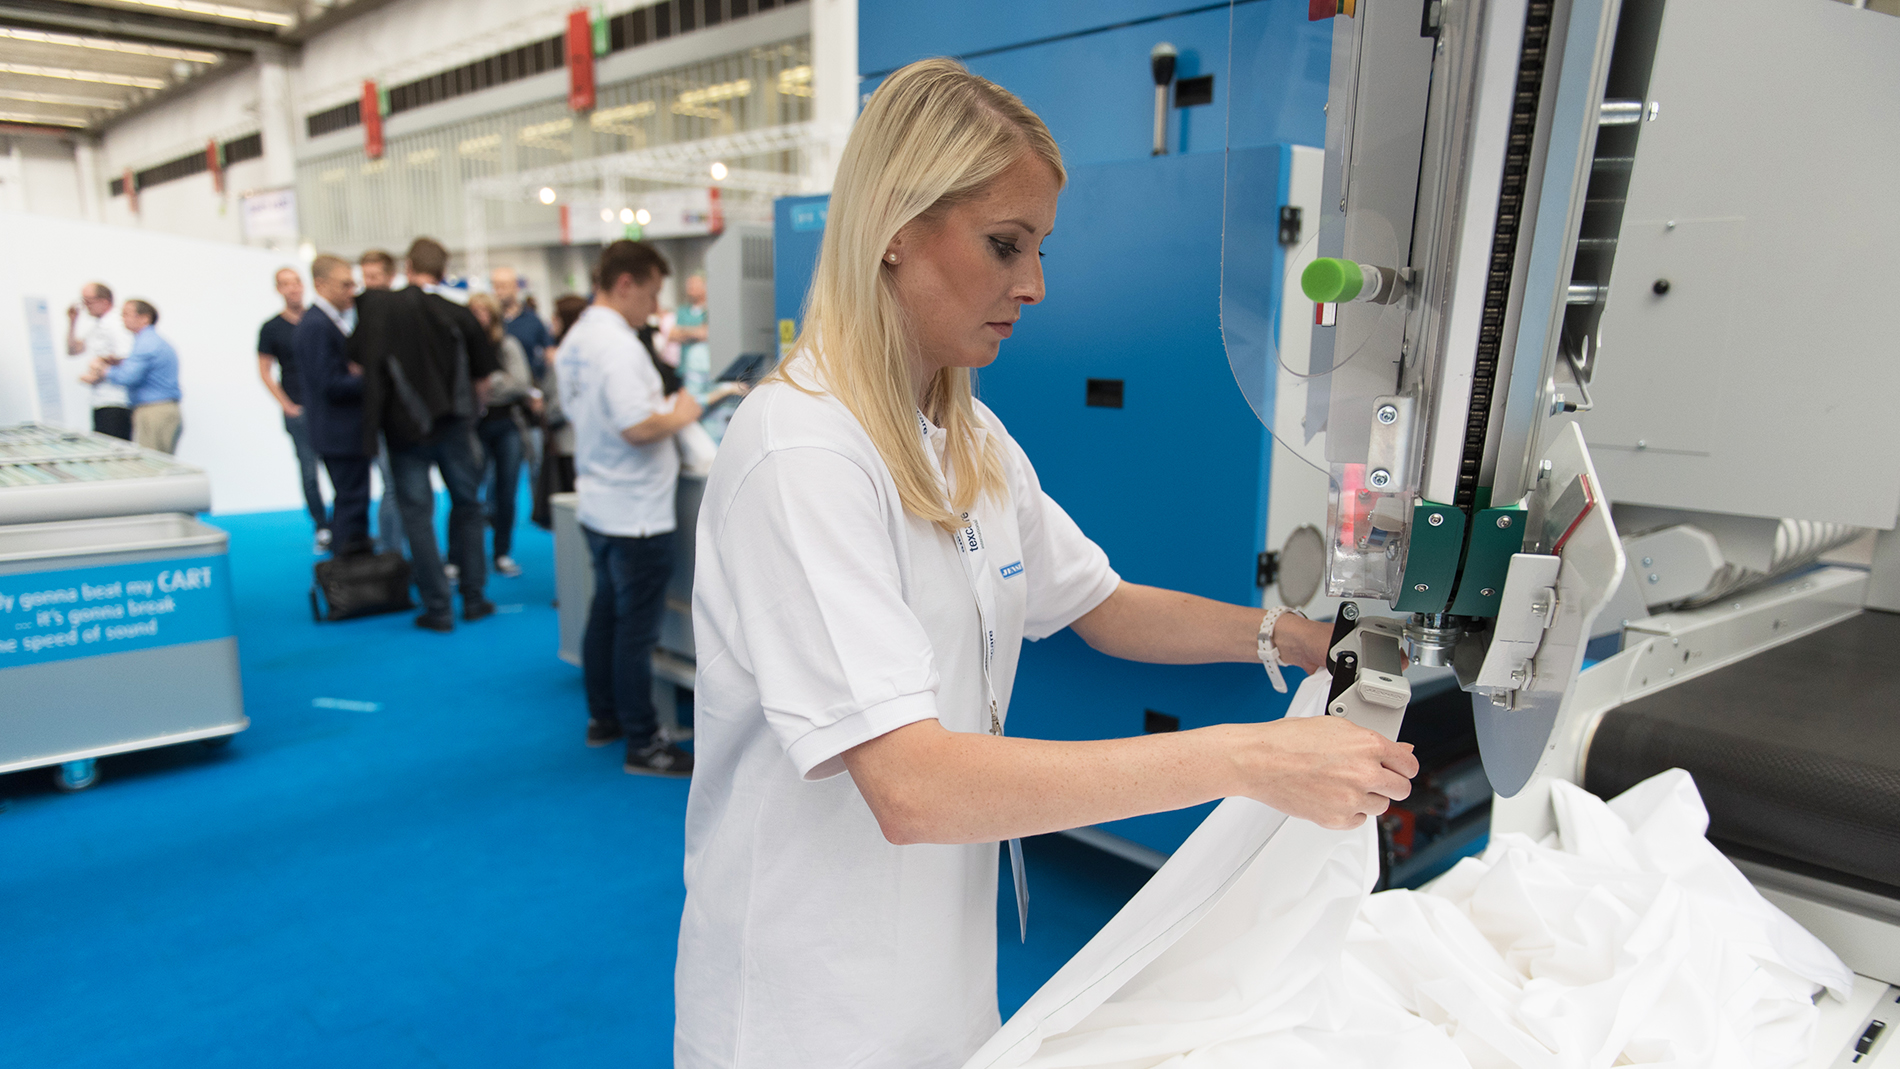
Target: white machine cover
<point>1623,939</point>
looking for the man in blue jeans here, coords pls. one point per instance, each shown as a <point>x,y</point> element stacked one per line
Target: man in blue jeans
<point>626,470</point>
<point>425,364</point>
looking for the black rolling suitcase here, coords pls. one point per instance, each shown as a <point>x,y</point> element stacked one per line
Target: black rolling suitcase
<point>362,584</point>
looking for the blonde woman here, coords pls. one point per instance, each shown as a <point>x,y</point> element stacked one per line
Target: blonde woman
<point>510,390</point>
<point>873,549</point>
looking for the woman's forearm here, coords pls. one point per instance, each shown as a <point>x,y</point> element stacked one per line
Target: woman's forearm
<point>926,784</point>
<point>1145,623</point>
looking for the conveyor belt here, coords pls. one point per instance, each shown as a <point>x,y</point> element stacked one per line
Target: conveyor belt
<point>1796,750</point>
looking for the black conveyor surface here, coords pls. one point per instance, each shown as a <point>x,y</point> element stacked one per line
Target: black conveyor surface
<point>1796,750</point>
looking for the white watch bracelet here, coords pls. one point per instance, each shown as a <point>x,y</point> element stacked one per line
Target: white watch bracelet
<point>1270,654</point>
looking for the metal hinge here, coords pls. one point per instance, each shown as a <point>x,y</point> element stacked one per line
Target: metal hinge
<point>1266,568</point>
<point>1289,225</point>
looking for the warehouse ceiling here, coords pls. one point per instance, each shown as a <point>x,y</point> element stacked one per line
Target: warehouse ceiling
<point>84,66</point>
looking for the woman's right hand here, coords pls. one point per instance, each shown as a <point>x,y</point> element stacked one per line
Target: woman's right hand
<point>1325,769</point>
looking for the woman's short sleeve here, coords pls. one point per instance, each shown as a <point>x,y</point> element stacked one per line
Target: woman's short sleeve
<point>811,563</point>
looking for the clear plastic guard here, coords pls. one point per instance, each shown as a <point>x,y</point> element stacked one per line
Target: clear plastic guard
<point>1266,321</point>
<point>1365,556</point>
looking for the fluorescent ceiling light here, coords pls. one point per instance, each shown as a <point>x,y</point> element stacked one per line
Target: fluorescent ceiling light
<point>60,98</point>
<point>42,120</point>
<point>68,73</point>
<point>216,11</point>
<point>101,44</point>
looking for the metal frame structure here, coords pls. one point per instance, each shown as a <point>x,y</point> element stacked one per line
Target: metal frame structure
<point>684,163</point>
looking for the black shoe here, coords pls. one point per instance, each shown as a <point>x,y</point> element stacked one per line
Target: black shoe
<point>658,758</point>
<point>443,622</point>
<point>475,610</point>
<point>602,732</point>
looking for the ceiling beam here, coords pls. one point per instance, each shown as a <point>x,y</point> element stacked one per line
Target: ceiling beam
<point>170,93</point>
<point>337,14</point>
<point>134,25</point>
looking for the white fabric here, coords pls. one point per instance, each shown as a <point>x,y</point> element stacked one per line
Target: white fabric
<point>824,616</point>
<point>107,338</point>
<point>608,384</point>
<point>1627,939</point>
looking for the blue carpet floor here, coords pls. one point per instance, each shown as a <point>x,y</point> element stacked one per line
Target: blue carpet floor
<point>409,859</point>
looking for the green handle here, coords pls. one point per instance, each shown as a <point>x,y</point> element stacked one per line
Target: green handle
<point>1329,280</point>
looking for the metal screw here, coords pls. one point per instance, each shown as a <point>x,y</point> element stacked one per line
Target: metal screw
<point>1504,523</point>
<point>1388,413</point>
<point>1670,225</point>
<point>1379,479</point>
<point>1437,520</point>
<point>1422,587</point>
<point>1647,562</point>
<point>1655,109</point>
<point>1652,577</point>
<point>1659,287</point>
<point>1642,443</point>
<point>1486,592</point>
<point>1350,610</point>
<point>1543,470</point>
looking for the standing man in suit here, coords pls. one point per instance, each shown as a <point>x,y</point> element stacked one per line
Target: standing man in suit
<point>425,364</point>
<point>332,392</point>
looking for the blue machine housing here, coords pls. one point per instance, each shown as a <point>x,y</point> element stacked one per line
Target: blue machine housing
<point>1172,484</point>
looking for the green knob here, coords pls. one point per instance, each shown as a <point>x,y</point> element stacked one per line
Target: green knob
<point>1328,280</point>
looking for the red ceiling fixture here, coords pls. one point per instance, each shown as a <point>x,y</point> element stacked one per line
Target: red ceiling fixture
<point>580,60</point>
<point>214,162</point>
<point>372,121</point>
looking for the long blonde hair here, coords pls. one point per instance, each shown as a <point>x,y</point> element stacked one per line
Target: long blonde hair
<point>932,136</point>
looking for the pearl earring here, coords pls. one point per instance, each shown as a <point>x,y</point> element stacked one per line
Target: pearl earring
<point>891,256</point>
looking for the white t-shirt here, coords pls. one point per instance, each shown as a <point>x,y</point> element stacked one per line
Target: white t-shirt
<point>826,616</point>
<point>106,337</point>
<point>607,385</point>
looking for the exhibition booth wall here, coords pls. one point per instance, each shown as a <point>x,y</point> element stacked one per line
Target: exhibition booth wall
<point>211,298</point>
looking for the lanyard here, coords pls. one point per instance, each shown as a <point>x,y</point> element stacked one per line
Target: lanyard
<point>971,549</point>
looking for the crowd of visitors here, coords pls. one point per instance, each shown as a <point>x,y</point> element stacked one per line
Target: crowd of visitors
<point>401,373</point>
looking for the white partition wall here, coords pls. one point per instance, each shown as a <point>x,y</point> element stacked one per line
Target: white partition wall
<point>211,297</point>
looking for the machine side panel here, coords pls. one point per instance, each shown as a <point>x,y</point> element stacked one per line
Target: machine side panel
<point>1748,341</point>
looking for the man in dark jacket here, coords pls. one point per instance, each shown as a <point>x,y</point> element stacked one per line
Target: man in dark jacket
<point>425,362</point>
<point>332,391</point>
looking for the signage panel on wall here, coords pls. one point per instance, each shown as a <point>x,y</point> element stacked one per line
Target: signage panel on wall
<point>269,214</point>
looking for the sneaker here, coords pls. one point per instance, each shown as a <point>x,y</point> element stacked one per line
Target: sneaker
<point>658,758</point>
<point>475,610</point>
<point>430,621</point>
<point>323,541</point>
<point>452,572</point>
<point>506,566</point>
<point>602,732</point>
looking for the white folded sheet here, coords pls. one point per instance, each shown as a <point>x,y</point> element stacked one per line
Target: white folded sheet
<point>1624,939</point>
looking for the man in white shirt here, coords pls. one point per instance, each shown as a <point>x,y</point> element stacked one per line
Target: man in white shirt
<point>102,337</point>
<point>626,469</point>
